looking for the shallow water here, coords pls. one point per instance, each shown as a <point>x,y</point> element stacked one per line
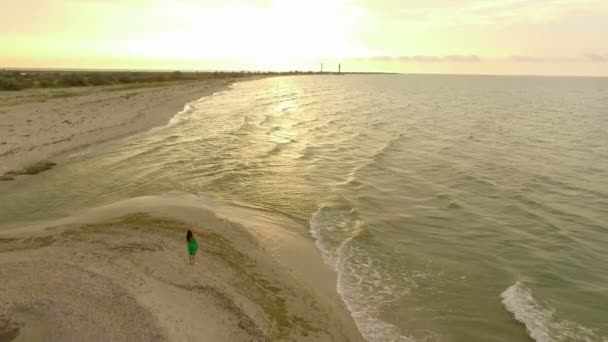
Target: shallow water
<point>454,208</point>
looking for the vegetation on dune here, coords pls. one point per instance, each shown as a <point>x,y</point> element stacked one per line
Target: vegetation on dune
<point>25,79</point>
<point>32,169</point>
<point>268,294</point>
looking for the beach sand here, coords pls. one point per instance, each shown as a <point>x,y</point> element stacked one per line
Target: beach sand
<point>121,273</point>
<point>38,125</point>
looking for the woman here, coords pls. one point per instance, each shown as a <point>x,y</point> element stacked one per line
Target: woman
<point>192,247</point>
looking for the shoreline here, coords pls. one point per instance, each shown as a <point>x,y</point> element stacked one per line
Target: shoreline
<point>259,278</point>
<point>39,125</point>
<point>256,279</point>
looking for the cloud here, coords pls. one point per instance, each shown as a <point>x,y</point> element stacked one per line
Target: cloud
<point>527,59</point>
<point>380,58</point>
<point>460,58</point>
<point>587,58</point>
<point>429,59</point>
<point>597,58</point>
<point>423,59</point>
<point>534,59</point>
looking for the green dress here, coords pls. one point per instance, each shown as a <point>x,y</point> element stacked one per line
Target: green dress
<point>192,246</point>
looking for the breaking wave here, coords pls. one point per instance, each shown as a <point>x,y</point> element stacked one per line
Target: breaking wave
<point>542,323</point>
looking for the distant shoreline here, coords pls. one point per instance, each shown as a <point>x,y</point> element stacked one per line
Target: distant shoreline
<point>227,73</point>
<point>16,79</point>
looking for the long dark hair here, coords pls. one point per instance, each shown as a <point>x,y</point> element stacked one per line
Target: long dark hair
<point>189,235</point>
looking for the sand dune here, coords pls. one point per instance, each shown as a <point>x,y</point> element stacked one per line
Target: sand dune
<point>120,273</point>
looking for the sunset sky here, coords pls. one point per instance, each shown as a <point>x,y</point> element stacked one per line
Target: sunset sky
<point>549,37</point>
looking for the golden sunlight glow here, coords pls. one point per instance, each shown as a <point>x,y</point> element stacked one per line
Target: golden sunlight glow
<point>454,36</point>
<point>276,32</point>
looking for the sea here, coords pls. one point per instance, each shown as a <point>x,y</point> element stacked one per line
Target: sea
<point>452,208</point>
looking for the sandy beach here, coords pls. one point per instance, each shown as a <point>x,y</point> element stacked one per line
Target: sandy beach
<point>120,273</point>
<point>40,124</point>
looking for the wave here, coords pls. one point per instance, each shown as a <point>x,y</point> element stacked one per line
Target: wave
<point>325,228</point>
<point>306,153</point>
<point>275,100</point>
<point>278,147</point>
<point>274,129</point>
<point>243,127</point>
<point>288,109</point>
<point>374,160</point>
<point>389,146</point>
<point>266,119</point>
<point>542,324</point>
<point>310,104</point>
<point>303,122</point>
<point>183,115</point>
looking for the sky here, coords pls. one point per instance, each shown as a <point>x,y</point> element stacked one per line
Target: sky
<point>538,37</point>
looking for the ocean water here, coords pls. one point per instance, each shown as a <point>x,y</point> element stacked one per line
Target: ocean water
<point>453,208</point>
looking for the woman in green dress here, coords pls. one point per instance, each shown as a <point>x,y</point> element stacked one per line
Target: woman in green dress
<point>192,247</point>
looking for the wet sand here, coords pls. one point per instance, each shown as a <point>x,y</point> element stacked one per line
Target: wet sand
<point>121,273</point>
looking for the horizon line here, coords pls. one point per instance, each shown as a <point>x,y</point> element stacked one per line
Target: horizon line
<point>316,72</point>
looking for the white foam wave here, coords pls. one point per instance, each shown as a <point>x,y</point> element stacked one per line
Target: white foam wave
<point>361,305</point>
<point>541,322</point>
<point>351,281</point>
<point>182,116</point>
<point>316,225</point>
